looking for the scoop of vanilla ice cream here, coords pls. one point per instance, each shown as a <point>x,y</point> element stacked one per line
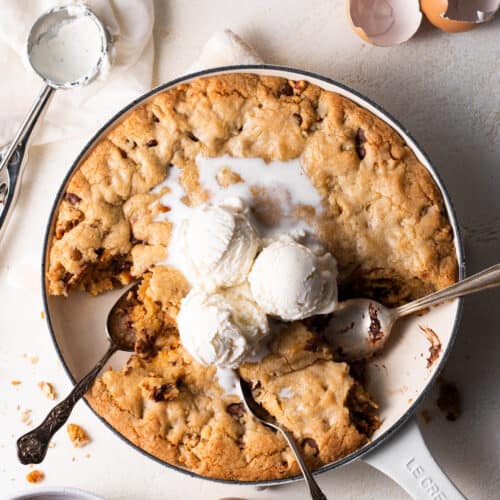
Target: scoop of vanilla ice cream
<point>293,281</point>
<point>219,244</point>
<point>221,328</point>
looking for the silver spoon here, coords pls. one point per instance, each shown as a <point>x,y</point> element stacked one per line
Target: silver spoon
<point>265,418</point>
<point>360,327</point>
<point>32,447</point>
<point>13,156</point>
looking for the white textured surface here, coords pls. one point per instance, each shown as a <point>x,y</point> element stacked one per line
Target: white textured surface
<point>444,89</point>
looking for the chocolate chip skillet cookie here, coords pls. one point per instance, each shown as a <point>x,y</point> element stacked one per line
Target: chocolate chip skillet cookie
<point>379,214</point>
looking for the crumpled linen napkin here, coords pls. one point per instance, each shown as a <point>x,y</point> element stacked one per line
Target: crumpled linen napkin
<point>77,111</point>
<point>225,48</point>
<point>82,116</point>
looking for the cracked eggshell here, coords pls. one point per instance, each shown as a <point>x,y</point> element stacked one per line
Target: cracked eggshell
<point>384,22</point>
<point>459,15</point>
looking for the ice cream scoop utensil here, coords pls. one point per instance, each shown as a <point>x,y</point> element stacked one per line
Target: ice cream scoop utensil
<point>45,64</point>
<point>32,446</point>
<point>265,418</point>
<point>360,327</point>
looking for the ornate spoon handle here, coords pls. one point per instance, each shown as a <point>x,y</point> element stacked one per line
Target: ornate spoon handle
<point>487,278</point>
<point>314,489</point>
<point>32,447</point>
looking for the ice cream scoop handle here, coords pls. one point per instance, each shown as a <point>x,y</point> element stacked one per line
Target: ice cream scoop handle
<point>32,447</point>
<point>488,278</point>
<point>314,489</point>
<point>12,158</point>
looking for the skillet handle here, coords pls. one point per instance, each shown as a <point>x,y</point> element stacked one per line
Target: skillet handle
<point>406,459</point>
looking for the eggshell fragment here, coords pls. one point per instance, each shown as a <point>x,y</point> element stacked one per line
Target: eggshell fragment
<point>384,22</point>
<point>459,15</point>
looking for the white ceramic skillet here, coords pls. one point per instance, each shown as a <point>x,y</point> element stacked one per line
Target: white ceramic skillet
<point>398,378</point>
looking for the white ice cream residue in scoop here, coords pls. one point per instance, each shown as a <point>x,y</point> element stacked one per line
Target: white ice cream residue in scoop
<point>68,51</point>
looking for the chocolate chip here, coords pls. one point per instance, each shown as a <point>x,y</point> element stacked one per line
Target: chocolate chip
<point>123,153</point>
<point>71,198</point>
<point>236,410</point>
<point>152,143</point>
<point>159,392</point>
<point>155,118</point>
<point>99,251</point>
<point>145,345</point>
<point>310,443</point>
<point>76,254</point>
<point>119,265</point>
<point>192,137</point>
<point>286,90</point>
<point>67,277</point>
<point>360,140</point>
<point>312,345</point>
<point>298,119</point>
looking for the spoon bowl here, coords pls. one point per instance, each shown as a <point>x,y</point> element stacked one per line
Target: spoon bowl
<point>360,327</point>
<point>32,446</point>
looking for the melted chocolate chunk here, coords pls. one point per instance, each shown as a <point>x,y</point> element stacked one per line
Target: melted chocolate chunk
<point>375,331</point>
<point>160,392</point>
<point>236,410</point>
<point>286,90</point>
<point>360,140</point>
<point>298,119</point>
<point>72,198</point>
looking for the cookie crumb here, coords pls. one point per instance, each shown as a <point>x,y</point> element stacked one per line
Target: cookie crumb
<point>52,444</point>
<point>33,360</point>
<point>449,401</point>
<point>15,382</point>
<point>42,314</point>
<point>48,390</point>
<point>226,177</point>
<point>35,476</point>
<point>426,416</point>
<point>77,435</point>
<point>18,407</point>
<point>26,417</point>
